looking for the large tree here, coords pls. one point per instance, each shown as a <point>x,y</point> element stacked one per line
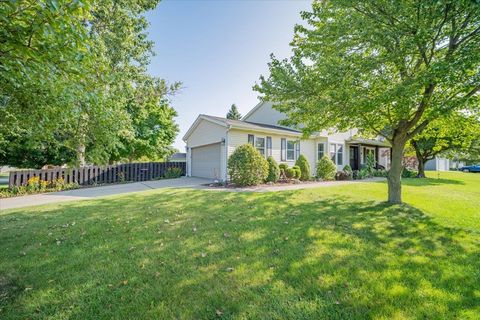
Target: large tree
<point>77,70</point>
<point>386,67</point>
<point>454,134</point>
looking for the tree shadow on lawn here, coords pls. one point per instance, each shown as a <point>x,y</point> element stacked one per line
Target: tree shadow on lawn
<point>420,182</point>
<point>196,254</point>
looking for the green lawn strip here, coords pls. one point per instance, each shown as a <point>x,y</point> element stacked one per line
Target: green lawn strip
<point>336,253</point>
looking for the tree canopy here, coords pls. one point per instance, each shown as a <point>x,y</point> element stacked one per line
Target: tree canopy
<point>73,74</point>
<point>389,68</point>
<point>454,133</point>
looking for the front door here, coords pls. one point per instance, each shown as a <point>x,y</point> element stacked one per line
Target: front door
<point>354,156</point>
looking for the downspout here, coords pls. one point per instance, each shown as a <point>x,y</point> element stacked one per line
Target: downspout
<point>226,153</point>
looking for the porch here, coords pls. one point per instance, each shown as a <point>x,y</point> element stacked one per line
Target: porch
<point>359,149</point>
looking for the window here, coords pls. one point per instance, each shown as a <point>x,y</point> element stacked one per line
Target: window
<point>290,150</point>
<point>336,153</point>
<point>297,149</point>
<point>260,145</point>
<point>269,146</point>
<point>339,154</point>
<point>251,139</point>
<point>283,145</point>
<point>320,150</point>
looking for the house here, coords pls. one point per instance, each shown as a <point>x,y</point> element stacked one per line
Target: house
<point>211,140</point>
<point>443,164</point>
<point>178,157</point>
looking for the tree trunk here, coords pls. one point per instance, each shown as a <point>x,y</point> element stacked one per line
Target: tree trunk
<point>421,168</point>
<point>395,173</point>
<point>421,160</point>
<point>81,155</point>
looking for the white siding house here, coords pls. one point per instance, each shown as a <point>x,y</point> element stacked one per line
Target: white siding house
<point>211,140</point>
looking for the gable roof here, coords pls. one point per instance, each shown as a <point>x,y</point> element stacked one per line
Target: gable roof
<point>240,124</point>
<point>253,110</point>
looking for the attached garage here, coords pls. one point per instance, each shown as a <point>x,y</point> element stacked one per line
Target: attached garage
<point>205,161</point>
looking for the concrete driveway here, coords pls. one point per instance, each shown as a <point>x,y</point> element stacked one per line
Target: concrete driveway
<point>96,192</point>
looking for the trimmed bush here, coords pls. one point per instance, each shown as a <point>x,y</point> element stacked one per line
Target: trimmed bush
<point>304,166</point>
<point>273,170</point>
<point>326,169</point>
<point>290,173</point>
<point>247,167</point>
<point>348,171</point>
<point>298,172</point>
<point>283,166</point>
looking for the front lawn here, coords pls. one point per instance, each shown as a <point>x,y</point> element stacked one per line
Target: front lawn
<point>328,253</point>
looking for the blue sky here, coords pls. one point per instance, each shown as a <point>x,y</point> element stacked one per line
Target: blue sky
<point>218,50</point>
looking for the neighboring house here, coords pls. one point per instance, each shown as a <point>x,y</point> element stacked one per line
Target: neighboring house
<point>178,157</point>
<point>443,164</point>
<point>211,140</point>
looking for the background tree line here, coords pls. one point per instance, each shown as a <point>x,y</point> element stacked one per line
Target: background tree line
<point>74,86</point>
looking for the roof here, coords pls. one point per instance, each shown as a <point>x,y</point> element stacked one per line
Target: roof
<point>372,142</point>
<point>250,125</point>
<point>178,155</point>
<point>240,124</point>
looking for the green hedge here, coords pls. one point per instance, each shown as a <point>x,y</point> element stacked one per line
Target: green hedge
<point>304,166</point>
<point>247,167</point>
<point>326,169</point>
<point>273,170</point>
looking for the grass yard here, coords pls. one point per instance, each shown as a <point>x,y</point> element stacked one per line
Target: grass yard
<point>327,253</point>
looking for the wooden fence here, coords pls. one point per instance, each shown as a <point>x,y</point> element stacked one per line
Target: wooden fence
<point>98,174</point>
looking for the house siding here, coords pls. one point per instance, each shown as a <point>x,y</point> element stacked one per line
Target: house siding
<point>204,134</point>
<point>266,114</point>
<point>239,137</point>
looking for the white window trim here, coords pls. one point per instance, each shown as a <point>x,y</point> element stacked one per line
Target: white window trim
<point>318,149</point>
<point>264,144</point>
<point>286,149</point>
<point>336,157</point>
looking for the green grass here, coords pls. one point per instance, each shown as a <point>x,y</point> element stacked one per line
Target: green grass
<point>327,253</point>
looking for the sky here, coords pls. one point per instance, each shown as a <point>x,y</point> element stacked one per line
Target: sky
<point>218,50</point>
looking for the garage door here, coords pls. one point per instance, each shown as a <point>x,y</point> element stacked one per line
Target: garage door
<point>206,161</point>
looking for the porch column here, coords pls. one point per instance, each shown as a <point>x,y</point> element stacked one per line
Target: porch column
<point>376,156</point>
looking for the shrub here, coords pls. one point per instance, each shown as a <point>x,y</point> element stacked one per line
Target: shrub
<point>348,170</point>
<point>247,167</point>
<point>304,166</point>
<point>342,175</point>
<point>298,172</point>
<point>407,173</point>
<point>273,170</point>
<point>283,166</point>
<point>380,173</point>
<point>326,169</point>
<point>363,174</point>
<point>173,172</point>
<point>290,173</point>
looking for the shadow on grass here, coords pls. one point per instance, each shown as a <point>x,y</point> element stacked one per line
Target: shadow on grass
<point>420,182</point>
<point>193,254</point>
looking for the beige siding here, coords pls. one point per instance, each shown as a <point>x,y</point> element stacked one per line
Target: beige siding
<point>266,114</point>
<point>206,133</point>
<point>239,137</point>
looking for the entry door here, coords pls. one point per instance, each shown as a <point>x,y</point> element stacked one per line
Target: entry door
<point>354,156</point>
